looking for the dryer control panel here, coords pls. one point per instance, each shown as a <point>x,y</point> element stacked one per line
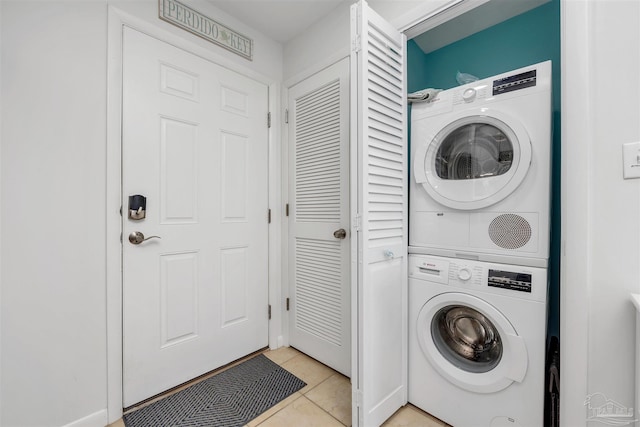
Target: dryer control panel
<point>515,82</point>
<point>470,94</point>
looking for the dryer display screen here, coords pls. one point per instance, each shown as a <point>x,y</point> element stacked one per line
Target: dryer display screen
<point>511,83</point>
<point>509,280</point>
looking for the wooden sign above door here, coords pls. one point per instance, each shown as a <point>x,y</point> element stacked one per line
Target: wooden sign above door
<point>196,23</point>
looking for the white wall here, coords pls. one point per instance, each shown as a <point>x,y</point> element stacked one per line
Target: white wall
<point>601,211</point>
<point>1,94</point>
<point>53,139</point>
<point>323,43</point>
<point>615,209</point>
<point>328,40</point>
<point>52,195</point>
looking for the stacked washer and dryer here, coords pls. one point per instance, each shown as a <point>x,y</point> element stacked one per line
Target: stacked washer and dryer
<point>479,247</point>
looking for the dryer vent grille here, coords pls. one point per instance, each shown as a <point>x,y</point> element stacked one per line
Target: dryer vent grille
<point>510,231</point>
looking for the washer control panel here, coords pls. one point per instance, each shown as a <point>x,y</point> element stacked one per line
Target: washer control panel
<point>465,273</point>
<point>511,280</point>
<point>488,277</point>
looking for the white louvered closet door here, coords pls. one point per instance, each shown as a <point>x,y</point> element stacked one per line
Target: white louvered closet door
<point>319,207</point>
<point>379,108</point>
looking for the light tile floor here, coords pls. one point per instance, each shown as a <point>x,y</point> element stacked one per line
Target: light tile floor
<point>324,402</point>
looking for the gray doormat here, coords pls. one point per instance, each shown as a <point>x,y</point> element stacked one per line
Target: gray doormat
<point>231,398</point>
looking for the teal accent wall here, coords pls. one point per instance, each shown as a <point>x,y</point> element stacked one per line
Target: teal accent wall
<point>523,40</point>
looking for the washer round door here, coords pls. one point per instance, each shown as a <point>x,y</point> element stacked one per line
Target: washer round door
<point>471,343</point>
<point>473,160</point>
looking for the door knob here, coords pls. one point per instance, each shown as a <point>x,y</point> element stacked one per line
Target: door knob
<point>340,234</point>
<point>136,237</point>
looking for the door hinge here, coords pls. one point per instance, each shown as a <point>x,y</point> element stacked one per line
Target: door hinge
<point>269,119</point>
<point>269,311</point>
<point>357,397</point>
<point>357,222</point>
<point>287,304</point>
<point>286,116</point>
<point>356,43</point>
<point>286,209</point>
<point>269,216</point>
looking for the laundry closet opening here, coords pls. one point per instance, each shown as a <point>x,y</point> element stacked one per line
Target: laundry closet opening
<point>528,38</point>
<point>443,58</point>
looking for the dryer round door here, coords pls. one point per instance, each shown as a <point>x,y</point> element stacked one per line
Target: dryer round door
<point>473,160</point>
<point>471,343</point>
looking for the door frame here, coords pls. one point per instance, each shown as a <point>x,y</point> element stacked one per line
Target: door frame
<point>117,19</point>
<point>575,43</point>
<point>575,57</point>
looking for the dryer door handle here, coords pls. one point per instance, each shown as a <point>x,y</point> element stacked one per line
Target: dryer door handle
<point>518,360</point>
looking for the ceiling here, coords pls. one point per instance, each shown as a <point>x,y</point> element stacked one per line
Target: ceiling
<point>280,20</point>
<point>472,21</point>
<point>283,20</point>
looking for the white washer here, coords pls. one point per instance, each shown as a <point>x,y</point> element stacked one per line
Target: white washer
<point>481,165</point>
<point>477,341</point>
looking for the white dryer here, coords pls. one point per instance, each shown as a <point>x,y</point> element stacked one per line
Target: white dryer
<point>477,341</point>
<point>481,165</point>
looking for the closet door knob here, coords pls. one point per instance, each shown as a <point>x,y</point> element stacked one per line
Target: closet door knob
<point>340,234</point>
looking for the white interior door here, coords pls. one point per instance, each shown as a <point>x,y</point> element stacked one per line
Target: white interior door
<point>379,107</point>
<point>319,276</point>
<point>195,143</point>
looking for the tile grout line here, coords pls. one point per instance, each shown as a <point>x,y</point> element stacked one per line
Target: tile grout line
<point>324,410</point>
<point>279,410</point>
<point>310,401</point>
<point>335,374</point>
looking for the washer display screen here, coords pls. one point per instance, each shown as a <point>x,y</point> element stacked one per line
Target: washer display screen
<point>510,280</point>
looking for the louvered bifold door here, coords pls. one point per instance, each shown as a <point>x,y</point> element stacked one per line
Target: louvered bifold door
<point>319,208</point>
<point>379,104</point>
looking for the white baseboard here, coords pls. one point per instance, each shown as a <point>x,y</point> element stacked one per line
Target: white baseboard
<point>97,419</point>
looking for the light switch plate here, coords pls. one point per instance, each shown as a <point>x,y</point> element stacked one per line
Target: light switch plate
<point>631,160</point>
